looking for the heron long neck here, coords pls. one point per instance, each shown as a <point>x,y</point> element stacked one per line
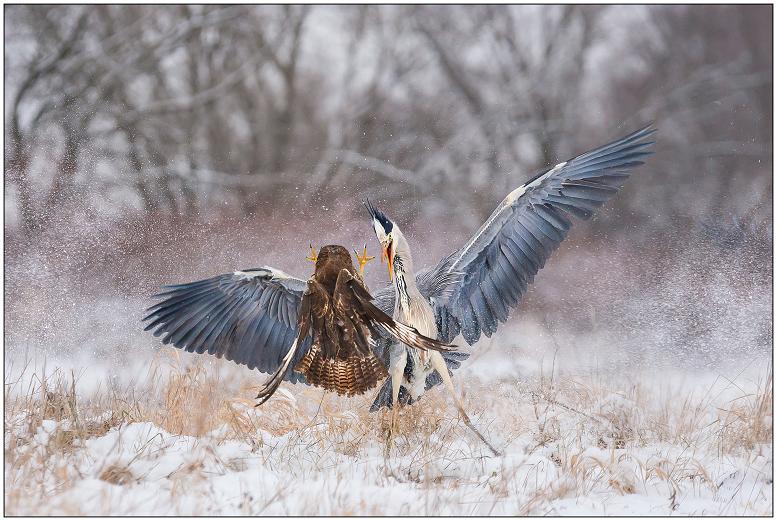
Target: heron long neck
<point>411,307</point>
<point>404,282</point>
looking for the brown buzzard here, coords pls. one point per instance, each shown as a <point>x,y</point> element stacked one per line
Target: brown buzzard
<point>337,311</point>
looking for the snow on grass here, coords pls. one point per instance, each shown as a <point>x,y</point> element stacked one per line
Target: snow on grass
<point>186,440</point>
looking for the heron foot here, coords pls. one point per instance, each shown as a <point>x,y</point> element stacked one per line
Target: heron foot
<point>313,257</point>
<point>392,432</point>
<point>389,444</point>
<point>363,259</point>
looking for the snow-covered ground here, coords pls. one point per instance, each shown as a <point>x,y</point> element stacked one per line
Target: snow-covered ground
<point>185,440</point>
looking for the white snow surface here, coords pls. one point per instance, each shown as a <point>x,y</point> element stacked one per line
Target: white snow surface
<point>555,461</point>
<point>182,475</point>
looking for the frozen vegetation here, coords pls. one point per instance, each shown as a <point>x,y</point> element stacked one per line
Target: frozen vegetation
<point>184,439</point>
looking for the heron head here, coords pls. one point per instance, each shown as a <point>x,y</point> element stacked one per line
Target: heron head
<point>387,233</point>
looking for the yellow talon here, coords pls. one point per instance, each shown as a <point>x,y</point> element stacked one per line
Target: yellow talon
<point>363,259</point>
<point>313,257</point>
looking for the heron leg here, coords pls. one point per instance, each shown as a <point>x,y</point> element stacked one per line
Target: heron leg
<point>438,362</point>
<point>397,371</point>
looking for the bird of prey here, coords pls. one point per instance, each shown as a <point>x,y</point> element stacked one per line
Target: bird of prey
<point>474,289</point>
<point>337,312</point>
<point>263,318</point>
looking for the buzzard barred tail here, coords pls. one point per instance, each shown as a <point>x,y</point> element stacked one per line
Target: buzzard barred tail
<point>346,376</point>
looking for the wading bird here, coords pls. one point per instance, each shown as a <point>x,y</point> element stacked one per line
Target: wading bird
<point>474,289</point>
<point>268,320</point>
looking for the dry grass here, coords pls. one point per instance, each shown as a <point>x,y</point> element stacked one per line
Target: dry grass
<point>590,438</point>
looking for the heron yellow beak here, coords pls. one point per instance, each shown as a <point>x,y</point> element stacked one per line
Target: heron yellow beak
<point>388,255</point>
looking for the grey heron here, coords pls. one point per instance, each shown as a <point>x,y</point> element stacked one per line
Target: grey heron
<point>474,289</point>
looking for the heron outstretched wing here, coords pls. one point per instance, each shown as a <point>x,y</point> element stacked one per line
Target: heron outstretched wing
<point>502,258</point>
<point>248,317</point>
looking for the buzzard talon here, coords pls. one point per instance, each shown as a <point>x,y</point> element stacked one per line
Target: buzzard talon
<point>313,257</point>
<point>363,259</point>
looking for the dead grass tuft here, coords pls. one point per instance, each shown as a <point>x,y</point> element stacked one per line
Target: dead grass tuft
<point>747,420</point>
<point>117,475</point>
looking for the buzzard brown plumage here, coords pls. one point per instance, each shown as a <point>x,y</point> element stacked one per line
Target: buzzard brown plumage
<point>336,310</point>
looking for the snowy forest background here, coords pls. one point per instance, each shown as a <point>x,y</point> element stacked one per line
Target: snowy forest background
<point>150,144</point>
<point>147,145</point>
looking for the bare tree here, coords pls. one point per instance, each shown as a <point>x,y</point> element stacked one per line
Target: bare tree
<point>185,110</point>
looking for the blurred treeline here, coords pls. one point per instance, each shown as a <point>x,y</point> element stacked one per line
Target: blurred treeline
<point>148,144</point>
<point>193,110</point>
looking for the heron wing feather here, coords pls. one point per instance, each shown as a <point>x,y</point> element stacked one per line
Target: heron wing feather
<point>495,267</point>
<point>248,317</point>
